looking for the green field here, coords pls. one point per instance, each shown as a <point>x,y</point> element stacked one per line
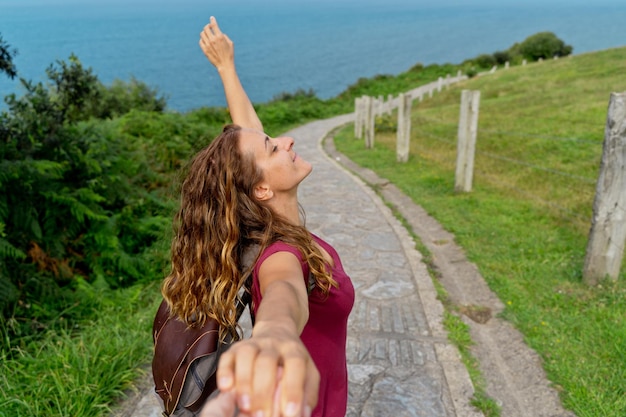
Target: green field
<point>526,221</point>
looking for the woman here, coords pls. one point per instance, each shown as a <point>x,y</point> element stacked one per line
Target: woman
<point>240,198</point>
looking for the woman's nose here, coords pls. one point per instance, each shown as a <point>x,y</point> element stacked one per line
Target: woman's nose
<point>287,142</point>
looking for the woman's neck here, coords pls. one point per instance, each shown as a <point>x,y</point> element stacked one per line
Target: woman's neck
<point>288,208</point>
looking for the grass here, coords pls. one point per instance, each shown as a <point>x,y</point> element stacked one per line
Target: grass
<point>526,221</point>
<point>458,331</point>
<point>76,371</point>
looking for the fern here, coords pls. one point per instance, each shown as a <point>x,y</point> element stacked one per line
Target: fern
<point>8,251</point>
<point>79,210</point>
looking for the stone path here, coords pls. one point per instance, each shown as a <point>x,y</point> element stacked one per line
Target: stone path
<point>399,359</point>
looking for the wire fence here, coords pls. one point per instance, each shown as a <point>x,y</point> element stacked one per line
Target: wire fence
<point>553,171</point>
<point>494,170</point>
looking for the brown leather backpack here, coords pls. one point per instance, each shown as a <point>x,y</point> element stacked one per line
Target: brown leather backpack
<point>185,360</point>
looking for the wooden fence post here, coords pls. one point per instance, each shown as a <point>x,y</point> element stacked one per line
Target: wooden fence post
<point>605,248</point>
<point>370,118</point>
<point>403,134</point>
<point>466,144</point>
<point>358,126</point>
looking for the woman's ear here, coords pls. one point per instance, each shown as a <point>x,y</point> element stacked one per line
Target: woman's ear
<point>262,192</point>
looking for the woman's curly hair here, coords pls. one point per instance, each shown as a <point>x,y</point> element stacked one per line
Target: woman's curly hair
<point>219,219</point>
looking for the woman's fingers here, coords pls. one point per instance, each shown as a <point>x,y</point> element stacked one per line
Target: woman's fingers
<point>253,369</point>
<point>217,47</point>
<point>245,365</point>
<point>214,25</point>
<point>300,384</point>
<point>265,380</point>
<point>293,382</point>
<point>252,372</point>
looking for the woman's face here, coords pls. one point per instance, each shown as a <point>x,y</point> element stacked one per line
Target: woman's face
<point>283,169</point>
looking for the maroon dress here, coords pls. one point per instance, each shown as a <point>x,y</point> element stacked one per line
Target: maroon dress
<point>325,333</point>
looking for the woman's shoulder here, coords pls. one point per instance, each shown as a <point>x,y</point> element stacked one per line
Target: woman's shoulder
<point>279,246</point>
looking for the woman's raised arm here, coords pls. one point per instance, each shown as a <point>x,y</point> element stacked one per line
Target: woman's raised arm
<point>219,49</point>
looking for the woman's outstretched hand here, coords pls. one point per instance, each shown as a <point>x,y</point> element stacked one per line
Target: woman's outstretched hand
<point>271,372</point>
<point>217,46</point>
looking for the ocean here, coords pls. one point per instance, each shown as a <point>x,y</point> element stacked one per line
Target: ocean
<point>282,46</point>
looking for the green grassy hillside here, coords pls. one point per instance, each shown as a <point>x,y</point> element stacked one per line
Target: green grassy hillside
<point>525,224</point>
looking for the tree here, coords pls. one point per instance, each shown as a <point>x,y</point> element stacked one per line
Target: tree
<point>543,45</point>
<point>6,59</point>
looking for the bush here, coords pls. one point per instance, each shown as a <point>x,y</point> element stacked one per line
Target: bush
<point>122,97</point>
<point>417,67</point>
<point>79,199</point>
<point>485,61</point>
<point>543,45</point>
<point>502,57</point>
<point>297,95</point>
<point>471,72</point>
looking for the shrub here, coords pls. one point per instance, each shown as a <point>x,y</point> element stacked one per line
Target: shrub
<point>502,57</point>
<point>471,72</point>
<point>485,61</point>
<point>543,45</point>
<point>417,67</point>
<point>78,199</point>
<point>298,94</point>
<point>122,97</point>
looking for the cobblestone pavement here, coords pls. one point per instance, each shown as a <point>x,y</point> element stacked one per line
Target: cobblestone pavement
<point>400,361</point>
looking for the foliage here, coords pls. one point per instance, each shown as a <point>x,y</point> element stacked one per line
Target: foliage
<point>384,85</point>
<point>540,45</point>
<point>6,59</point>
<point>485,61</point>
<point>543,45</point>
<point>122,97</point>
<point>79,198</point>
<point>289,109</point>
<point>502,57</point>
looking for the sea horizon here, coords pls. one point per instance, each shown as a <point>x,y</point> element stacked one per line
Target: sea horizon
<point>284,47</point>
